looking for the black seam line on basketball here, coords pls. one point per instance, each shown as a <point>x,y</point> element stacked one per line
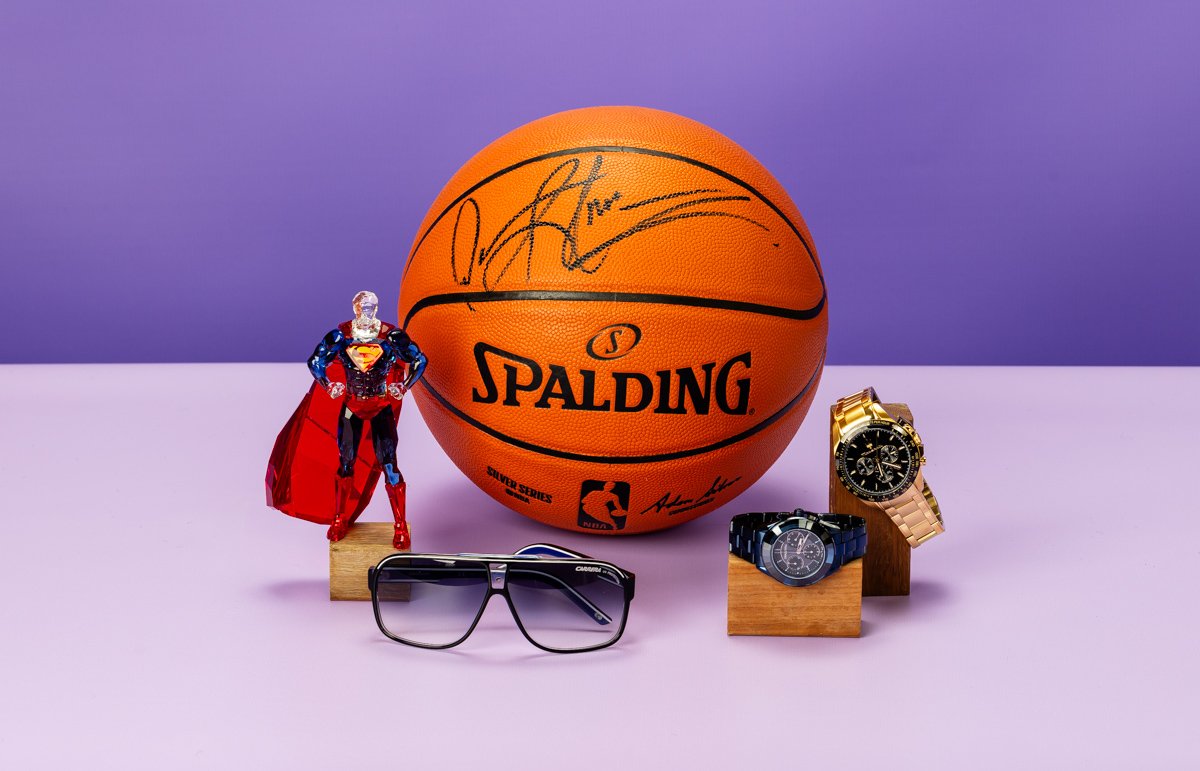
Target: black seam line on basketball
<point>532,295</point>
<point>628,460</point>
<point>608,149</point>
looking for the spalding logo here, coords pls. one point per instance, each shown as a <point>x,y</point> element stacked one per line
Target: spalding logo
<point>522,374</point>
<point>614,341</point>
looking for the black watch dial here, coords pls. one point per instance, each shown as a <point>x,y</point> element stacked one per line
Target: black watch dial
<point>798,553</point>
<point>878,462</point>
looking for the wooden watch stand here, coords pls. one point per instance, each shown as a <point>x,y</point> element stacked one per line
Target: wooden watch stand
<point>760,605</point>
<point>886,565</point>
<point>349,559</point>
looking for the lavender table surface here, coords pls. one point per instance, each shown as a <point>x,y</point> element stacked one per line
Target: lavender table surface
<point>157,614</point>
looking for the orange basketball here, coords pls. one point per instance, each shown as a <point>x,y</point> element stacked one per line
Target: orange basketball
<point>624,316</point>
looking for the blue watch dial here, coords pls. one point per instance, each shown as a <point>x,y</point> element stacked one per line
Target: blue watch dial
<point>798,553</point>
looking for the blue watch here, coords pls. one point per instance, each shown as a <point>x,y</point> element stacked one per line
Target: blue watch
<point>797,548</point>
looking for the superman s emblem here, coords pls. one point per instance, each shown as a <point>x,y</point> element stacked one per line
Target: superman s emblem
<point>364,355</point>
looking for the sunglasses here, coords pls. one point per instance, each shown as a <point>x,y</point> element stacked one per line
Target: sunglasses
<point>562,601</point>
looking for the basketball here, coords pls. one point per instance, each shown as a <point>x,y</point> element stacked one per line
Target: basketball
<point>624,316</point>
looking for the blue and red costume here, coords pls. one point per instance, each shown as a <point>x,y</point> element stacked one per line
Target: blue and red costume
<point>363,370</point>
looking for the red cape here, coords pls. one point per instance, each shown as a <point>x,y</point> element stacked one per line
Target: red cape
<point>304,462</point>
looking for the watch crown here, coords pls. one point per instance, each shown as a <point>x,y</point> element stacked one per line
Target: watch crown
<point>922,460</point>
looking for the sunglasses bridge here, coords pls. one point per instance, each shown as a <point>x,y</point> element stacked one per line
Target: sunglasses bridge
<point>499,573</point>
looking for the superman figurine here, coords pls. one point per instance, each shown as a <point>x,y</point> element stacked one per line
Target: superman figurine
<point>322,468</point>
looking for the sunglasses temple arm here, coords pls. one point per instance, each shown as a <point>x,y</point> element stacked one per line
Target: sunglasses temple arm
<point>550,550</point>
<point>581,602</point>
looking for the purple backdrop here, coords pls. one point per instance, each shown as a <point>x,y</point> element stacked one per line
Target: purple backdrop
<point>220,178</point>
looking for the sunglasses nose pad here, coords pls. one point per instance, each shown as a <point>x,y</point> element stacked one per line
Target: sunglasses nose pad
<point>498,571</point>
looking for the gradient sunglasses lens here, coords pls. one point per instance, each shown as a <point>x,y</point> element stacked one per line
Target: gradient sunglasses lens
<point>568,607</point>
<point>430,601</point>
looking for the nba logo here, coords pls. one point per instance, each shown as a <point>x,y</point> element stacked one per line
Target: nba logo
<point>603,505</point>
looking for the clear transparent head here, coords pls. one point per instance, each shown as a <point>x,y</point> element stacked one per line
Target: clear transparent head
<point>365,305</point>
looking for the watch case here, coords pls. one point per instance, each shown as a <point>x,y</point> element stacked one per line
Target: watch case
<point>908,434</point>
<point>773,533</point>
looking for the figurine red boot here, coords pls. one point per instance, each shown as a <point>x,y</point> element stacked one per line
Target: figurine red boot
<point>401,541</point>
<point>341,519</point>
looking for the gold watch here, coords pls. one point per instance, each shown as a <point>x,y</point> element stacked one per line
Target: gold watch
<point>878,459</point>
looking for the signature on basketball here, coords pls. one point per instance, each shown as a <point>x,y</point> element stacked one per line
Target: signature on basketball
<point>568,225</point>
<point>679,503</point>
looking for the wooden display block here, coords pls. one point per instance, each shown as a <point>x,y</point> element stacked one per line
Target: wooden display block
<point>760,605</point>
<point>349,559</point>
<point>886,565</point>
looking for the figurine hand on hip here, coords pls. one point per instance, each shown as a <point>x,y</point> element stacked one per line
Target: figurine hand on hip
<point>397,391</point>
<point>336,390</point>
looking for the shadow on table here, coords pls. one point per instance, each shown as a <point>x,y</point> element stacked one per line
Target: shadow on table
<point>497,640</point>
<point>495,647</point>
<point>306,590</point>
<point>924,597</point>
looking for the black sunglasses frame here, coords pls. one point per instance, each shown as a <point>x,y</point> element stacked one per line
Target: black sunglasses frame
<point>524,561</point>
